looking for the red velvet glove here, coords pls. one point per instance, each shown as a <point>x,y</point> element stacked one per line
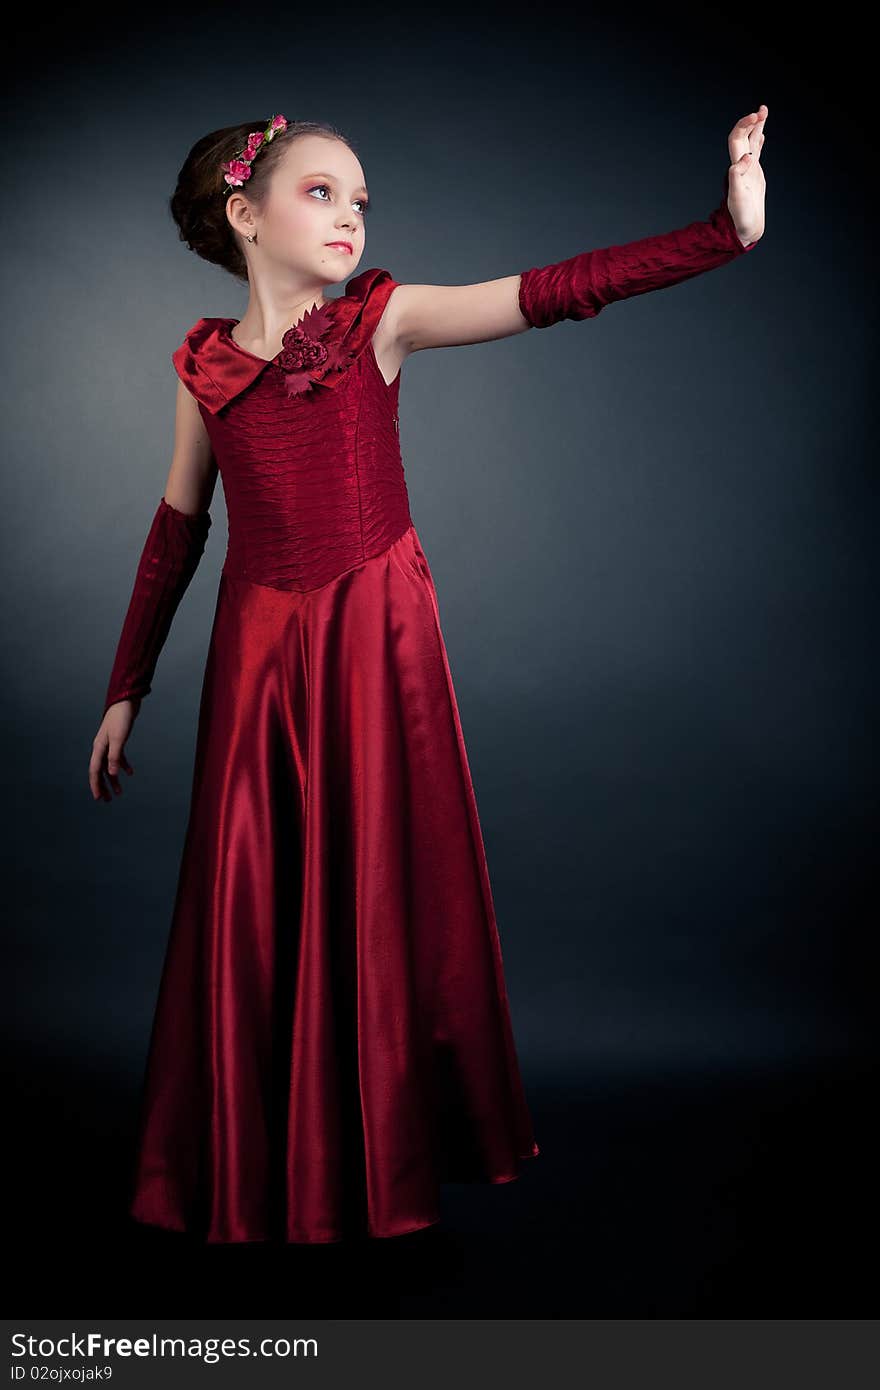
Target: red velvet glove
<point>169,560</point>
<point>580,288</point>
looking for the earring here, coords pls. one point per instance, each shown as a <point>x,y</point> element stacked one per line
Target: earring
<point>251,238</point>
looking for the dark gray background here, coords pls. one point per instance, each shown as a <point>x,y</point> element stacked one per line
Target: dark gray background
<point>651,535</point>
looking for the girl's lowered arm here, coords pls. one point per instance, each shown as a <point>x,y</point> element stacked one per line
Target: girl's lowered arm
<point>171,554</point>
<point>580,287</point>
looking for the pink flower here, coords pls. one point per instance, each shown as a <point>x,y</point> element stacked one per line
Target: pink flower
<point>237,171</point>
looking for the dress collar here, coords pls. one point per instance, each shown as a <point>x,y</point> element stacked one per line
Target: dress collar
<point>216,369</point>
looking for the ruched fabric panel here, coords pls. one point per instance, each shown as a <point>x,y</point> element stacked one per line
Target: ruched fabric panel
<point>300,513</point>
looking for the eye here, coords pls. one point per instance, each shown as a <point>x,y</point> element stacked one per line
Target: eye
<point>364,202</point>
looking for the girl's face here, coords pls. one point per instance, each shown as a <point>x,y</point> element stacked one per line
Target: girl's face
<point>318,196</point>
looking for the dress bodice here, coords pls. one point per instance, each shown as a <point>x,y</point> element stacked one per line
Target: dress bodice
<point>307,444</point>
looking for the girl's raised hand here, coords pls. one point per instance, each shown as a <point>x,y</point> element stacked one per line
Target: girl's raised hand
<point>746,186</point>
<point>108,750</point>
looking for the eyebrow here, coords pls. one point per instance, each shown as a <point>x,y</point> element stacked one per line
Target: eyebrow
<point>319,174</point>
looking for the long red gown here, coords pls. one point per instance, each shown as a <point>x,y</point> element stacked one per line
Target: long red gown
<point>332,1035</point>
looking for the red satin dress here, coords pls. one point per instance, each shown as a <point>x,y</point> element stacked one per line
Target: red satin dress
<point>332,1037</point>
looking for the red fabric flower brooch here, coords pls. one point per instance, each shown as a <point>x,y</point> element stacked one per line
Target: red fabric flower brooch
<point>303,357</point>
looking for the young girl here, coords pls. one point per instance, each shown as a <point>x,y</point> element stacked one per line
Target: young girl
<point>332,1037</point>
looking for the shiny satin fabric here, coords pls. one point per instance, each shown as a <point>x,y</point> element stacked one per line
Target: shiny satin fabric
<point>215,369</point>
<point>332,1037</point>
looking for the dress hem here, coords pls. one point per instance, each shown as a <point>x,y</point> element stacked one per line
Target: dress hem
<point>332,1239</point>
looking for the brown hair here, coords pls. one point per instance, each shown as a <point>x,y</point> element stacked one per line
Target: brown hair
<point>198,203</point>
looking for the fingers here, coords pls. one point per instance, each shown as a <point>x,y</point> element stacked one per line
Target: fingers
<point>747,136</point>
<point>96,770</point>
<point>108,756</point>
<point>756,134</point>
<point>116,758</point>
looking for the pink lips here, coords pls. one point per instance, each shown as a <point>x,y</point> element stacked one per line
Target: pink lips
<point>341,245</point>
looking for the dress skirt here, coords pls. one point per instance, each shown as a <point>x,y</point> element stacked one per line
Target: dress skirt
<point>332,1036</point>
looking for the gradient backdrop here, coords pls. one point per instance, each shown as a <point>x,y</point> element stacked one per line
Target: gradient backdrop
<point>653,541</point>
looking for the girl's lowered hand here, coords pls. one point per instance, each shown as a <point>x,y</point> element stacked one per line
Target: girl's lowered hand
<point>108,749</point>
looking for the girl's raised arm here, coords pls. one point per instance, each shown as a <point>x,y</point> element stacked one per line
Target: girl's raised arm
<point>426,316</point>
